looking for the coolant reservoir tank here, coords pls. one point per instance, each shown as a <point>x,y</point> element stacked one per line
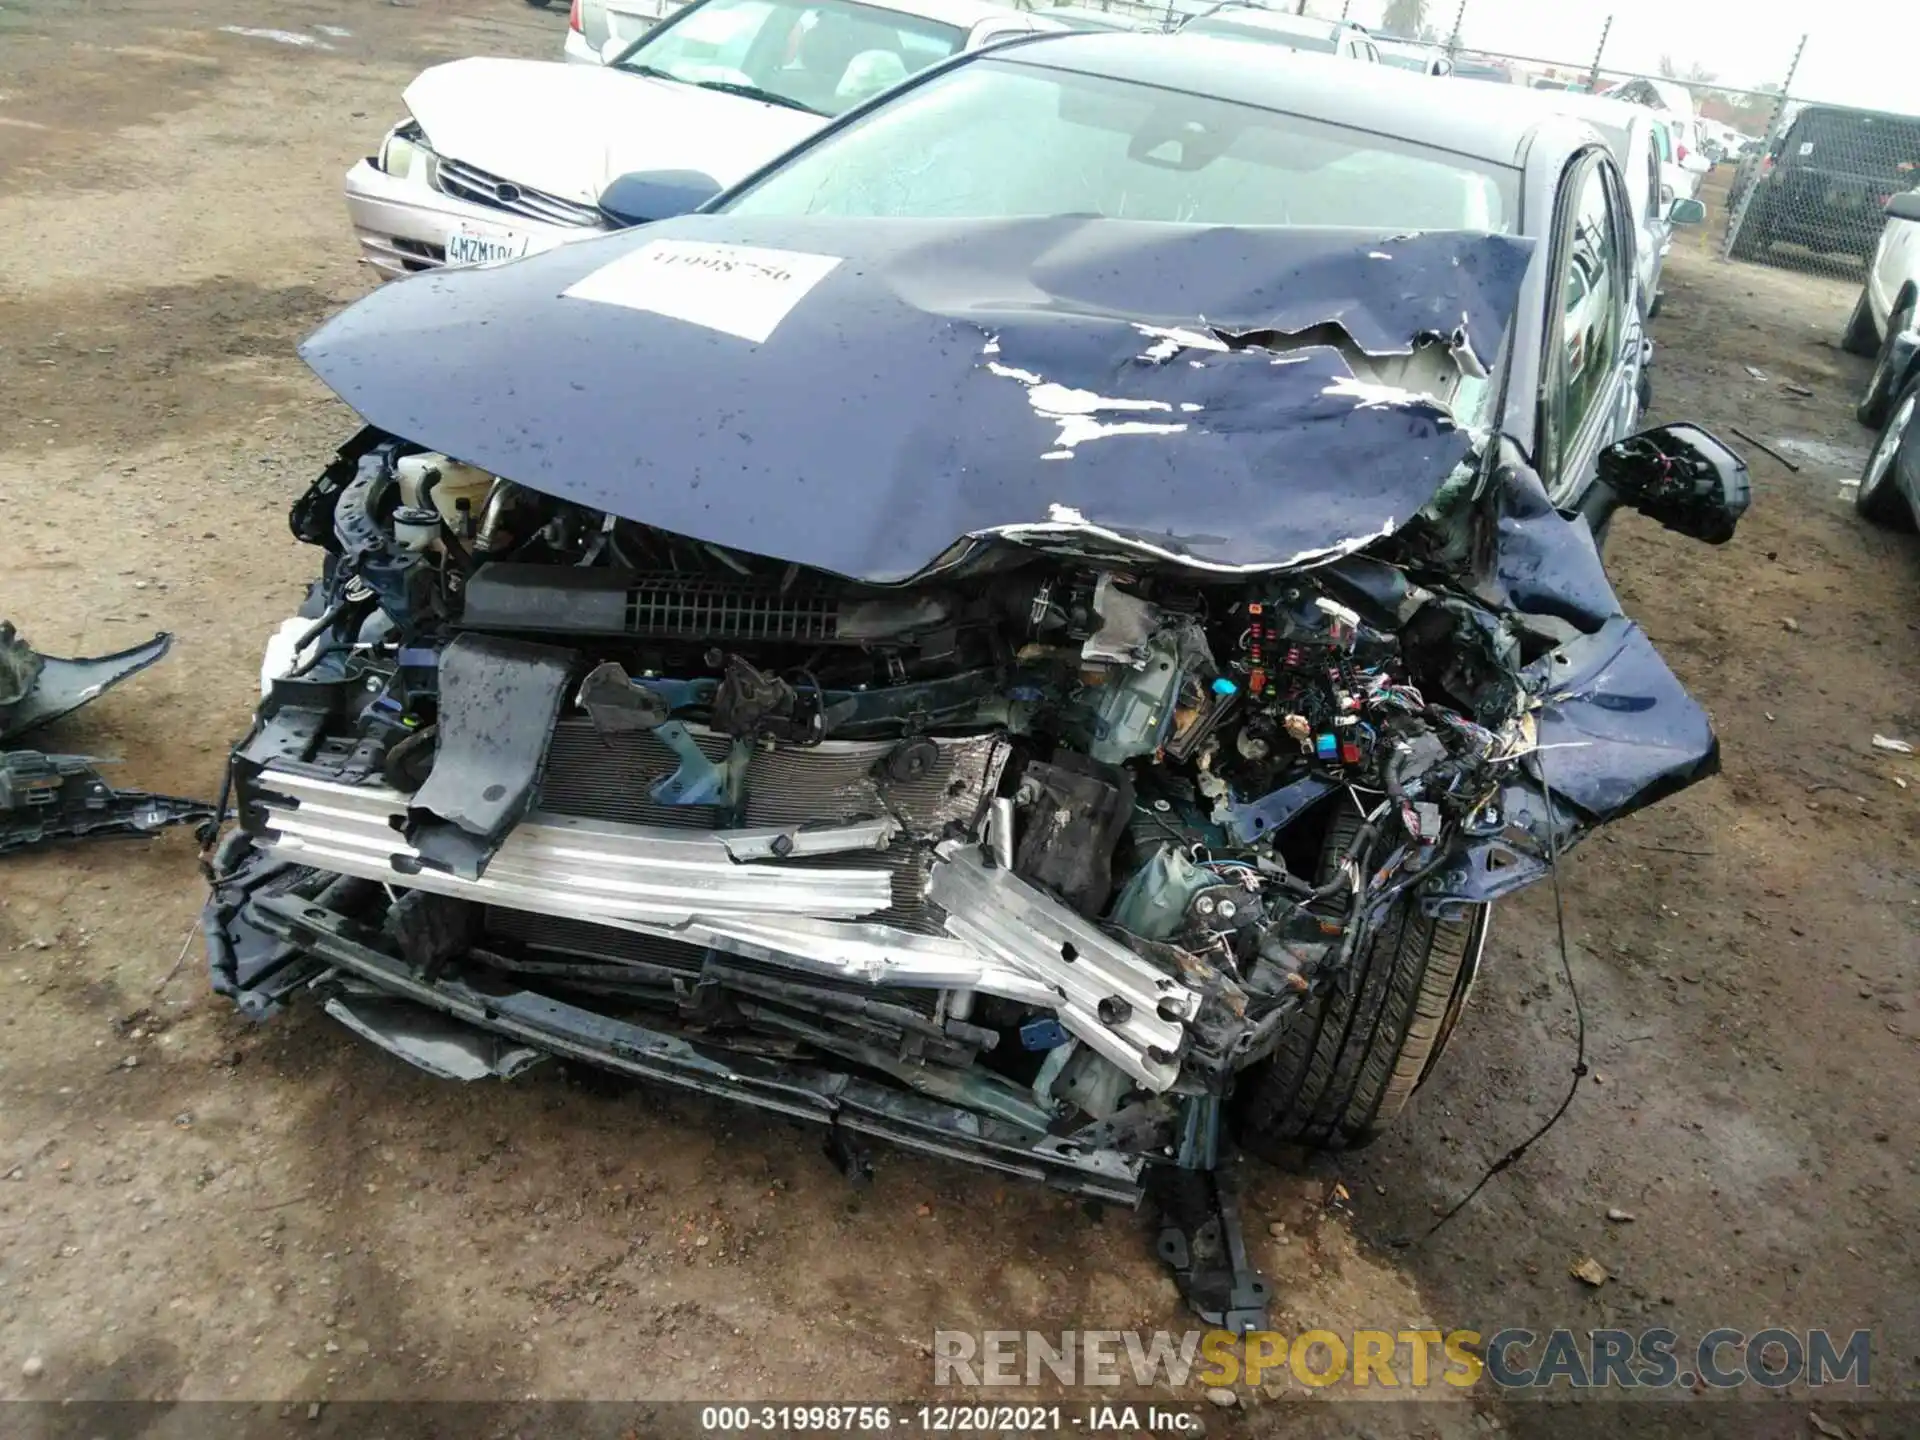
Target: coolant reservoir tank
<point>456,482</point>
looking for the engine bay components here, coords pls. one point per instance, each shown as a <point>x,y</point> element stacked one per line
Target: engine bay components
<point>1035,725</point>
<point>1041,854</point>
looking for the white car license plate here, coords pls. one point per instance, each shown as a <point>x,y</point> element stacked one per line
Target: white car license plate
<point>468,246</point>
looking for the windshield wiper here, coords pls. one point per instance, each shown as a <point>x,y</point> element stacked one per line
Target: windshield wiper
<point>652,72</point>
<point>754,92</point>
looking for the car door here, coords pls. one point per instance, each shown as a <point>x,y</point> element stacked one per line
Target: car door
<point>1656,231</point>
<point>1591,368</point>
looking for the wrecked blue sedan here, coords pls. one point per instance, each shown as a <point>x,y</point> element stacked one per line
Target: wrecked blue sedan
<point>1036,629</point>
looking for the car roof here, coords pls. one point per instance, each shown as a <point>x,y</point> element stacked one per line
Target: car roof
<point>1119,20</point>
<point>1612,117</point>
<point>964,14</point>
<point>1473,121</point>
<point>1671,95</point>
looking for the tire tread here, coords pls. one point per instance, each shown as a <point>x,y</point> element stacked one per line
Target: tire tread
<point>1339,1077</point>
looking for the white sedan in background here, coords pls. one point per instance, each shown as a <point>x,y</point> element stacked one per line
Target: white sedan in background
<point>499,158</point>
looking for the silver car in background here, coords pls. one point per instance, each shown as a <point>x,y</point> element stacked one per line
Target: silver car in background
<point>1633,135</point>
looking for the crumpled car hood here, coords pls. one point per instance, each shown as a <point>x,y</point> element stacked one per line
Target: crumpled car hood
<point>854,395</point>
<point>570,130</point>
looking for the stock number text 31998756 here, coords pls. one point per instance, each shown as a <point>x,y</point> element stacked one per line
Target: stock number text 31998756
<point>883,1419</point>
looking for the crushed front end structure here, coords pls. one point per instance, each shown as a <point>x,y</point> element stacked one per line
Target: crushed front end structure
<point>1023,722</point>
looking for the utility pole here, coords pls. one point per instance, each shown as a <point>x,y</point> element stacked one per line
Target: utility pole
<point>1593,73</point>
<point>1743,177</point>
<point>1453,40</point>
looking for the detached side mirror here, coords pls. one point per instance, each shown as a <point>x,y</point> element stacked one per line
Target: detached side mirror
<point>657,195</point>
<point>1686,212</point>
<point>1906,206</point>
<point>1680,475</point>
<point>1443,66</point>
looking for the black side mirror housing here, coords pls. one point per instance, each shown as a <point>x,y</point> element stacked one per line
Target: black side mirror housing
<point>1684,477</point>
<point>656,195</point>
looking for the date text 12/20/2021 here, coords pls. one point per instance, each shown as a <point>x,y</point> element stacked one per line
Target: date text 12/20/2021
<point>882,1419</point>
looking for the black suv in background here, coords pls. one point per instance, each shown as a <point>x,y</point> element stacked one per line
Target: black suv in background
<point>1826,182</point>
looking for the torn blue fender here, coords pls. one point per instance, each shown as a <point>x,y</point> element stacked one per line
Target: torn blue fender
<point>1617,732</point>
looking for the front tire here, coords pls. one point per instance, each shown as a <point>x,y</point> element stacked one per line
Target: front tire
<point>1895,462</point>
<point>1876,403</point>
<point>1860,338</point>
<point>1348,1064</point>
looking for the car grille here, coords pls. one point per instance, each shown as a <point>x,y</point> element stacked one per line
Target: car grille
<point>470,182</point>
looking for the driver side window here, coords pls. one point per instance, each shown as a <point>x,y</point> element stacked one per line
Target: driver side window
<point>1592,287</point>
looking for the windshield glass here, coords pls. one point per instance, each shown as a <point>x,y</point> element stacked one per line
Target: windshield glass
<point>992,139</point>
<point>1316,38</point>
<point>825,56</point>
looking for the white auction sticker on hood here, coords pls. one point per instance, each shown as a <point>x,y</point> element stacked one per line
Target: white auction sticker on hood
<point>743,290</point>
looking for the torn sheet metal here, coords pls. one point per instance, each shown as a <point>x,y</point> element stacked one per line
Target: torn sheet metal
<point>37,688</point>
<point>1617,731</point>
<point>1064,343</point>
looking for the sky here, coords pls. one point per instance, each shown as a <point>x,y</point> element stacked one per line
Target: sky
<point>1859,52</point>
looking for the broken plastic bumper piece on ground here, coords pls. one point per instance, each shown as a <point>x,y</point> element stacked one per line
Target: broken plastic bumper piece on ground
<point>64,797</point>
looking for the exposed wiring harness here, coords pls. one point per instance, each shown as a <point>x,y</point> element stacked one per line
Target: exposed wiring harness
<point>1513,1155</point>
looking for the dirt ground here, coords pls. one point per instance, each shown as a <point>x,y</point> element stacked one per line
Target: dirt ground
<point>193,1207</point>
